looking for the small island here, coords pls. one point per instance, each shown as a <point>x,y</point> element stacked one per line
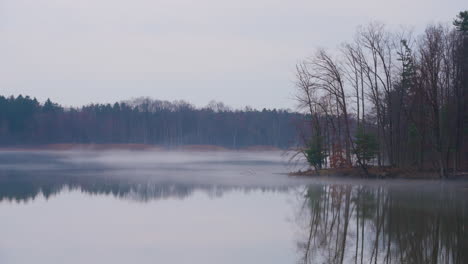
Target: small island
<point>388,104</point>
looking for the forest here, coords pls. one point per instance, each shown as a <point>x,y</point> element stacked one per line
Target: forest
<point>388,98</point>
<point>25,121</point>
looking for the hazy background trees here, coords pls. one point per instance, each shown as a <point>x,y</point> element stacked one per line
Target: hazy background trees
<point>25,121</point>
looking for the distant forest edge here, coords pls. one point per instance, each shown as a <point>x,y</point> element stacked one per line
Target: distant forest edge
<point>24,121</point>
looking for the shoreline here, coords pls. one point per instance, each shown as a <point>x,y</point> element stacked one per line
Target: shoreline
<point>350,173</point>
<point>379,173</point>
<point>131,147</point>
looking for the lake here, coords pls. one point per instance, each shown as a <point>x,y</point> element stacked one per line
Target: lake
<point>218,207</point>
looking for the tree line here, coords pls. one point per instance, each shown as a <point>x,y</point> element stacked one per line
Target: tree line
<point>389,98</point>
<point>25,121</point>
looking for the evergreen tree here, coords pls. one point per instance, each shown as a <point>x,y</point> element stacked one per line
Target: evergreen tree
<point>366,145</point>
<point>315,153</point>
<point>461,22</point>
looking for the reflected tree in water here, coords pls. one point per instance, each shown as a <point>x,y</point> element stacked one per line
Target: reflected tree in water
<point>24,186</point>
<point>362,224</point>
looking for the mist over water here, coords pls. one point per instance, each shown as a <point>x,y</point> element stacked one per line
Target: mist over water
<point>151,168</point>
<point>217,207</point>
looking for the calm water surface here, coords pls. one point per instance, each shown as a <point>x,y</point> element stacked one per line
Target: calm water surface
<point>218,207</point>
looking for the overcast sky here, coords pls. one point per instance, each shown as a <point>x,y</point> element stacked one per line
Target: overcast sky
<point>241,52</point>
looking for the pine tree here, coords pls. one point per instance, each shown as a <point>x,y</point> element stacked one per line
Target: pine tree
<point>315,153</point>
<point>461,22</point>
<point>366,146</point>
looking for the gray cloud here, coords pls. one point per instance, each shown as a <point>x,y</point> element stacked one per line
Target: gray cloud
<point>240,52</point>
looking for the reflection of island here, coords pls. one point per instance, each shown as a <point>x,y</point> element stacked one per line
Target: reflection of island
<point>27,185</point>
<point>354,224</point>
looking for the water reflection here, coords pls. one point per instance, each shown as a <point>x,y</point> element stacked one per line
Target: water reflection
<point>27,186</point>
<point>393,224</point>
<point>337,221</point>
<point>140,176</point>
